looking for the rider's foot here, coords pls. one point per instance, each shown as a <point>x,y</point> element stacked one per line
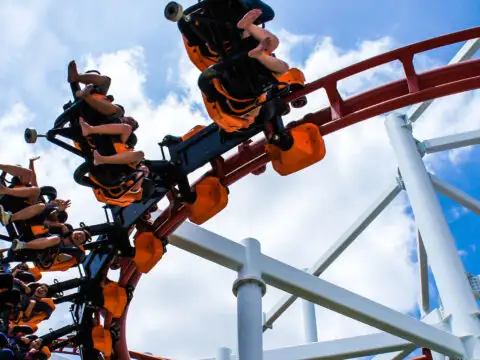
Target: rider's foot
<point>84,126</point>
<point>97,158</point>
<point>17,245</point>
<point>72,72</point>
<point>249,18</point>
<point>261,48</point>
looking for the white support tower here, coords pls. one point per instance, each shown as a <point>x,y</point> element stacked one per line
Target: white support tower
<point>452,333</point>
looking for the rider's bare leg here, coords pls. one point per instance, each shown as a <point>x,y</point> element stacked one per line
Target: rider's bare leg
<point>25,175</point>
<point>123,130</point>
<point>259,33</point>
<point>94,79</point>
<point>270,62</point>
<point>37,244</point>
<point>29,193</point>
<point>128,157</point>
<point>24,214</point>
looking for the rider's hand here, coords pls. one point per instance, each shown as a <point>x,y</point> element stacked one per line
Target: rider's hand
<point>64,205</point>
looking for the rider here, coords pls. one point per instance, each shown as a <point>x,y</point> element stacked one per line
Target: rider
<point>76,238</point>
<point>52,214</point>
<point>26,178</point>
<point>94,94</point>
<point>124,130</point>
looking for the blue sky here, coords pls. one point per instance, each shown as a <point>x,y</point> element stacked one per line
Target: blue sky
<point>157,88</point>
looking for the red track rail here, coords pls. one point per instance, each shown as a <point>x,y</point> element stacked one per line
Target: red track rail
<point>341,113</point>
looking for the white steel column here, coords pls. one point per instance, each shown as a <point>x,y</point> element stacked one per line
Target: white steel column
<point>309,321</point>
<point>447,267</point>
<point>224,354</point>
<point>249,289</point>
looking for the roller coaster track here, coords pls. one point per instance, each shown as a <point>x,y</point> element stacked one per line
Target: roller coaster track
<point>252,158</point>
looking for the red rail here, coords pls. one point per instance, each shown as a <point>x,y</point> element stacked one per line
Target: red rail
<point>341,113</point>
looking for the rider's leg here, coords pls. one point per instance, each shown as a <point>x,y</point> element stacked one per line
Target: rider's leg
<point>25,175</point>
<point>247,23</point>
<point>24,214</point>
<point>123,158</point>
<point>270,62</point>
<point>30,193</point>
<point>102,82</point>
<point>37,244</point>
<point>123,130</point>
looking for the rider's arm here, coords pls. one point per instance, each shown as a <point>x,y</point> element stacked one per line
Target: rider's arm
<point>30,307</point>
<point>31,166</point>
<point>21,284</point>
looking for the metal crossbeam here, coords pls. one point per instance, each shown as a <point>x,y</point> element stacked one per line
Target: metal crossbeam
<point>348,348</point>
<point>452,142</point>
<point>456,194</point>
<point>227,253</point>
<point>338,248</point>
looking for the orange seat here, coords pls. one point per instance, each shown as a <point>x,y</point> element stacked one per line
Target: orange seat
<point>102,340</point>
<point>149,251</point>
<point>63,265</point>
<point>114,299</point>
<point>232,114</point>
<point>193,131</point>
<point>212,197</point>
<point>102,194</point>
<point>308,148</point>
<point>201,61</point>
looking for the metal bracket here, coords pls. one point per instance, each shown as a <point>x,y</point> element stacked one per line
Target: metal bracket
<point>400,181</point>
<point>249,279</point>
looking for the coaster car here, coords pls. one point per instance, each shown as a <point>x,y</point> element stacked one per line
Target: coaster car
<point>209,28</point>
<point>234,86</point>
<point>112,184</point>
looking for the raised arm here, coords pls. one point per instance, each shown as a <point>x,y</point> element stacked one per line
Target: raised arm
<point>31,166</point>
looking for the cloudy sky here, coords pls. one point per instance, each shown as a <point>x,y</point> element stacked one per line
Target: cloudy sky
<point>180,310</point>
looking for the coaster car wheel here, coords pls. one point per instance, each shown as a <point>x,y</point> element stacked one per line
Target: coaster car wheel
<point>49,191</point>
<point>300,102</point>
<point>173,11</point>
<point>31,136</point>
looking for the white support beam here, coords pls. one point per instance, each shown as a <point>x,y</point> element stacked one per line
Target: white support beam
<point>338,248</point>
<point>287,278</point>
<point>397,355</point>
<point>348,348</point>
<point>465,53</point>
<point>451,142</point>
<point>456,194</point>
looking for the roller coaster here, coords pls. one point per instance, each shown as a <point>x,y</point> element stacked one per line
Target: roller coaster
<point>100,306</point>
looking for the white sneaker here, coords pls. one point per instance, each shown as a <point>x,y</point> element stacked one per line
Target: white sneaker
<point>63,257</point>
<point>4,216</point>
<point>17,245</point>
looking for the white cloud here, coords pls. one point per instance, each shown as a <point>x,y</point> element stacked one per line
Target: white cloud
<point>180,310</point>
